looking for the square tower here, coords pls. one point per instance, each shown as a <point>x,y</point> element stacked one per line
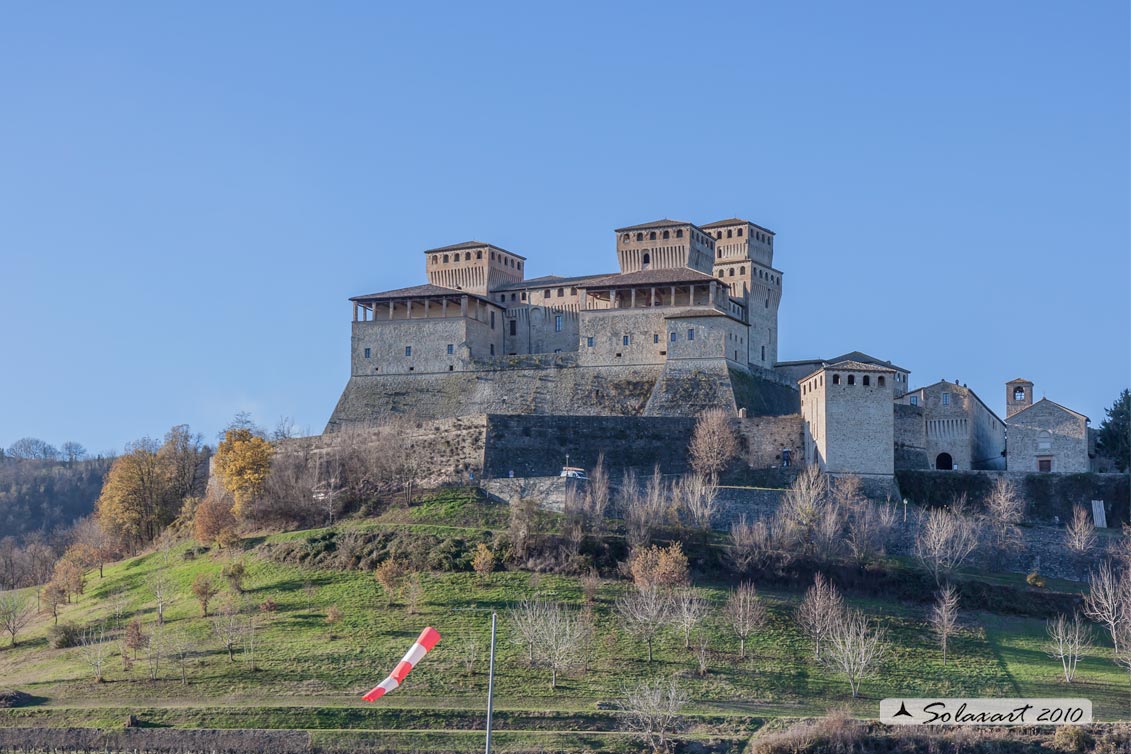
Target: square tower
<point>664,245</point>
<point>473,266</point>
<point>1018,396</point>
<point>848,419</point>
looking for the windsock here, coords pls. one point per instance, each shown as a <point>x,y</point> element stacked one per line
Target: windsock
<point>427,639</point>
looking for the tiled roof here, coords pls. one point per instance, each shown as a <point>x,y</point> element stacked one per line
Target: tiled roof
<point>1045,400</point>
<point>863,357</point>
<point>652,277</point>
<point>735,221</point>
<point>417,291</point>
<point>473,245</point>
<point>857,366</point>
<point>545,280</point>
<point>665,223</point>
<point>1019,379</point>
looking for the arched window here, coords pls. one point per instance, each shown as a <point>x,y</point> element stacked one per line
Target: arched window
<point>718,234</point>
<point>435,259</point>
<point>732,272</point>
<point>836,379</point>
<point>740,232</point>
<point>625,238</point>
<point>479,254</point>
<point>546,293</point>
<point>851,379</point>
<point>729,233</point>
<point>679,233</point>
<point>1018,393</point>
<point>647,261</point>
<point>880,380</point>
<point>1044,440</point>
<point>445,259</point>
<point>722,273</point>
<point>639,236</point>
<point>652,236</point>
<point>467,257</point>
<point>667,234</point>
<point>867,381</point>
<point>742,270</point>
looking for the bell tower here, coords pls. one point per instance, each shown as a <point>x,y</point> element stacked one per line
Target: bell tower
<point>1018,396</point>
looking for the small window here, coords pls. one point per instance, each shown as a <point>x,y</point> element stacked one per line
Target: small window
<point>1019,394</point>
<point>514,328</point>
<point>435,259</point>
<point>367,353</point>
<point>740,232</point>
<point>1044,440</point>
<point>492,320</point>
<point>479,255</point>
<point>625,238</point>
<point>573,291</point>
<point>691,333</point>
<point>946,399</point>
<point>647,260</point>
<point>408,350</point>
<point>652,236</point>
<point>729,233</point>
<point>445,259</point>
<point>718,234</point>
<point>655,338</point>
<point>558,323</point>
<point>763,353</point>
<point>741,270</point>
<point>867,381</point>
<point>467,257</point>
<point>880,380</point>
<point>722,273</point>
<point>667,234</point>
<point>836,379</point>
<point>589,342</point>
<point>523,296</point>
<point>625,339</point>
<point>512,297</point>
<point>673,336</point>
<point>914,400</point>
<point>492,349</point>
<point>851,379</point>
<point>546,293</point>
<point>561,292</point>
<point>451,349</point>
<point>639,236</point>
<point>679,233</point>
<point>492,256</point>
<point>1044,464</point>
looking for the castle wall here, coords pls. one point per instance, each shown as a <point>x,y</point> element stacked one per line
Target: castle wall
<point>910,433</point>
<point>859,427</point>
<point>1048,431</point>
<point>764,437</point>
<point>536,330</point>
<point>645,329</point>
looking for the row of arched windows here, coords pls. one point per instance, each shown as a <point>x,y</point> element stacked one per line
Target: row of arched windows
<point>733,232</point>
<point>880,381</point>
<point>652,236</point>
<point>508,261</point>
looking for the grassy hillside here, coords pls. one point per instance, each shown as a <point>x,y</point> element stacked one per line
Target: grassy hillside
<point>310,675</point>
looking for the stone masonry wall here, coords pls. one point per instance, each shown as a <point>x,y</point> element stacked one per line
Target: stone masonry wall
<point>764,437</point>
<point>1067,439</point>
<point>910,437</point>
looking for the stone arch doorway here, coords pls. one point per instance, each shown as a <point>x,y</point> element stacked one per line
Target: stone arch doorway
<point>944,462</point>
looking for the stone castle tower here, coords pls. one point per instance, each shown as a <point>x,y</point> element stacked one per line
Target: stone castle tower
<point>1018,396</point>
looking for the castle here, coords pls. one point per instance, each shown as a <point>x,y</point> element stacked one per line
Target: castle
<point>689,322</point>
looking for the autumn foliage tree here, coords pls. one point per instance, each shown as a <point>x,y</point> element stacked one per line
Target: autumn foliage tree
<point>213,519</point>
<point>243,461</point>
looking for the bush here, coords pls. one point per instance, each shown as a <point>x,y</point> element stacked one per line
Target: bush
<point>1070,738</point>
<point>268,606</point>
<point>64,635</point>
<point>1036,579</point>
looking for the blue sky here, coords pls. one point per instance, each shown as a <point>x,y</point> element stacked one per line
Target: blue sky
<point>189,192</point>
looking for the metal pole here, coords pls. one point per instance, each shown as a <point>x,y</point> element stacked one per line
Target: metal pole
<point>491,683</point>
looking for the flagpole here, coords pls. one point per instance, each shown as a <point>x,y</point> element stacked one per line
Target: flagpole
<point>491,683</point>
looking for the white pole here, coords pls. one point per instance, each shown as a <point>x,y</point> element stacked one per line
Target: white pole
<point>491,683</point>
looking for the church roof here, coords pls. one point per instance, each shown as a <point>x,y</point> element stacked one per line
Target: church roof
<point>1020,379</point>
<point>417,291</point>
<point>473,245</point>
<point>665,223</point>
<point>662,276</point>
<point>735,221</point>
<point>545,280</point>
<point>1046,400</point>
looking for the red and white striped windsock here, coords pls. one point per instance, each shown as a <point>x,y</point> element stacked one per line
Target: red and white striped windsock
<point>427,639</point>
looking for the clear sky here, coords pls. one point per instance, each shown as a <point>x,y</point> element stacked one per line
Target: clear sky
<point>190,192</point>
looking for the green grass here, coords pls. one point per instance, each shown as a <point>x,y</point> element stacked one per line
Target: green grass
<point>311,675</point>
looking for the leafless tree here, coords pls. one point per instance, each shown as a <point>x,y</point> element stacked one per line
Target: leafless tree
<point>119,601</point>
<point>855,648</point>
<point>800,510</point>
<point>155,652</point>
<point>468,650</point>
<point>227,627</point>
<point>1068,641</point>
<point>250,629</point>
<point>688,611</point>
<point>946,538</point>
<point>1004,505</point>
<point>847,491</point>
<point>16,612</point>
<point>162,590</point>
<point>182,647</point>
<point>1080,535</point>
<point>752,544</point>
<point>95,540</point>
<point>73,452</point>
<point>413,594</point>
<point>944,617</point>
<point>820,611</point>
<point>1108,601</point>
<point>597,494</point>
<point>643,614</point>
<point>702,651</point>
<point>94,649</point>
<point>869,527</point>
<point>744,612</point>
<point>652,709</point>
<point>1122,656</point>
<point>698,496</point>
<point>714,443</point>
<point>292,494</point>
<point>561,637</point>
<point>829,533</point>
<point>644,511</point>
<point>526,620</point>
<point>525,526</point>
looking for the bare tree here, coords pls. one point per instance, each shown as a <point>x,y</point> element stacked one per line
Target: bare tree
<point>597,494</point>
<point>1004,504</point>
<point>561,637</point>
<point>643,613</point>
<point>526,619</point>
<point>1122,656</point>
<point>698,496</point>
<point>54,596</point>
<point>652,709</point>
<point>752,544</point>
<point>800,510</point>
<point>644,511</point>
<point>944,618</point>
<point>250,629</point>
<point>204,588</point>
<point>73,452</point>
<point>227,627</point>
<point>702,651</point>
<point>1108,601</point>
<point>714,443</point>
<point>946,538</point>
<point>94,649</point>
<point>162,590</point>
<point>744,612</point>
<point>869,527</point>
<point>119,601</point>
<point>1080,534</point>
<point>820,611</point>
<point>1068,641</point>
<point>855,648</point>
<point>688,611</point>
<point>468,650</point>
<point>16,612</point>
<point>181,647</point>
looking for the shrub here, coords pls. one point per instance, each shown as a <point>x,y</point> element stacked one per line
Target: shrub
<point>1036,579</point>
<point>333,615</point>
<point>64,635</point>
<point>268,606</point>
<point>484,560</point>
<point>1070,738</point>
